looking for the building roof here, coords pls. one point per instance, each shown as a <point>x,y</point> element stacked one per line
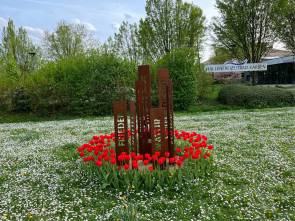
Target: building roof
<point>272,56</point>
<point>280,60</point>
<point>276,53</point>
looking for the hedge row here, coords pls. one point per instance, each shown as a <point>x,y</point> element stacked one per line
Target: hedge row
<point>81,85</point>
<point>88,84</point>
<point>256,96</point>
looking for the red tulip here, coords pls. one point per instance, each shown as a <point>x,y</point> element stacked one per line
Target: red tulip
<point>98,163</point>
<point>207,155</point>
<point>179,162</point>
<point>121,157</point>
<point>155,157</point>
<point>167,154</point>
<point>135,164</point>
<point>151,168</point>
<point>161,160</point>
<point>147,156</point>
<point>113,161</point>
<point>186,155</point>
<point>133,155</point>
<point>172,160</point>
<point>126,166</point>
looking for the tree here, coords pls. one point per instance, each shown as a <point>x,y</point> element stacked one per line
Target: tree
<point>125,43</point>
<point>67,40</point>
<point>170,24</point>
<point>221,55</point>
<point>245,25</point>
<point>18,53</point>
<point>284,22</point>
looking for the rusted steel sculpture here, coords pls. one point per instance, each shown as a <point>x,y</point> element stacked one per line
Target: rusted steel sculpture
<point>165,89</point>
<point>159,136</point>
<point>133,131</point>
<point>151,129</point>
<point>121,127</point>
<point>144,104</point>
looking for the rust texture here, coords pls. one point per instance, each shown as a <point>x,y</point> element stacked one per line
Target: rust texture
<point>159,137</point>
<point>144,104</point>
<point>133,131</point>
<point>165,93</point>
<point>151,129</point>
<point>121,127</point>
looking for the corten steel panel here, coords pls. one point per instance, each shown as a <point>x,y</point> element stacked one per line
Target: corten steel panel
<point>163,74</point>
<point>143,100</point>
<point>139,109</point>
<point>132,115</point>
<point>165,93</point>
<point>159,138</point>
<point>121,127</point>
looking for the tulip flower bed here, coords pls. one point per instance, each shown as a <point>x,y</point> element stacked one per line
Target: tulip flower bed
<point>145,171</point>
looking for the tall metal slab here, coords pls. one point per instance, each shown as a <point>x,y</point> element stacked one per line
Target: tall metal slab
<point>121,127</point>
<point>165,93</point>
<point>143,104</point>
<point>133,130</point>
<point>159,137</point>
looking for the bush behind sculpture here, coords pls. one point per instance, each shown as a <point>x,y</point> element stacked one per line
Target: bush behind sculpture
<point>80,85</point>
<point>87,83</point>
<point>183,73</point>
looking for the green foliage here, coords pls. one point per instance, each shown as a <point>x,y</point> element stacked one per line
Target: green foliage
<point>168,25</point>
<point>18,54</point>
<point>7,85</point>
<point>255,96</point>
<point>20,101</point>
<point>67,40</point>
<point>244,26</point>
<point>81,84</point>
<point>204,82</point>
<point>183,72</point>
<point>125,43</point>
<point>223,54</point>
<point>283,22</point>
<point>109,177</point>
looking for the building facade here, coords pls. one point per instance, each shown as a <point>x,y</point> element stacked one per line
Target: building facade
<point>280,69</point>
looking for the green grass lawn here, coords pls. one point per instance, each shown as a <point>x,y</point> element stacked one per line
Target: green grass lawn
<point>41,177</point>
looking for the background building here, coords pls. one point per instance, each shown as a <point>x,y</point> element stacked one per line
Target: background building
<point>280,68</point>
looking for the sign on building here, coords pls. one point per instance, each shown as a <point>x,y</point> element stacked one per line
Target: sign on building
<point>236,67</point>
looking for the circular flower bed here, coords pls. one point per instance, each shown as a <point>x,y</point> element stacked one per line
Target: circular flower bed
<point>192,159</point>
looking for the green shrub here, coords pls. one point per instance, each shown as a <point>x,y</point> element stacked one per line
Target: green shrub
<point>81,85</point>
<point>7,86</point>
<point>183,72</point>
<point>204,83</point>
<point>20,101</point>
<point>255,96</point>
